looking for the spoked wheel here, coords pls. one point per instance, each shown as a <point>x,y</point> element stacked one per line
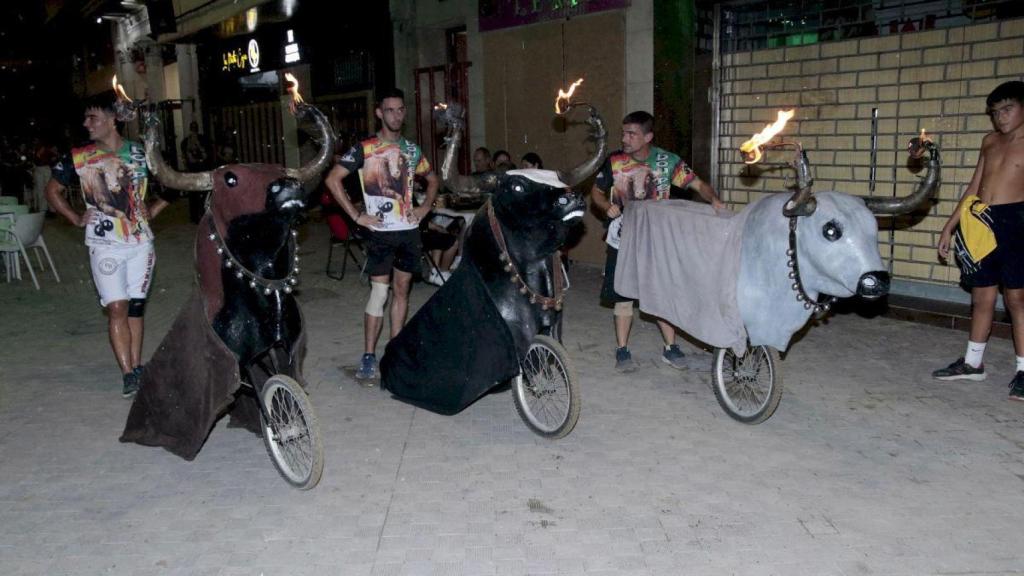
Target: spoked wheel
<point>547,392</point>
<point>749,388</point>
<point>291,432</point>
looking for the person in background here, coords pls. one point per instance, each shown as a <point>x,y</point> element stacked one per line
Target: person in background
<point>531,160</point>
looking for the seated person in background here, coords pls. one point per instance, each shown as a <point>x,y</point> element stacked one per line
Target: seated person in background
<point>501,157</point>
<point>440,235</point>
<point>482,160</point>
<point>531,160</point>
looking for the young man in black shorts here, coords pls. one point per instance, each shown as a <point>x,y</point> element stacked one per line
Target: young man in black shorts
<point>387,164</point>
<point>988,226</point>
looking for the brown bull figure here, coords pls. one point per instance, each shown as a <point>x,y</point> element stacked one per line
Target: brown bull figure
<point>242,321</point>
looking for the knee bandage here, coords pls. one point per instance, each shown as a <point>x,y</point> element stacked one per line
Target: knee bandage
<point>136,307</point>
<point>623,308</point>
<point>378,298</point>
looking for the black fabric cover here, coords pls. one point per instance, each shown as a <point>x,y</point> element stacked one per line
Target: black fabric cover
<point>453,351</point>
<point>187,384</point>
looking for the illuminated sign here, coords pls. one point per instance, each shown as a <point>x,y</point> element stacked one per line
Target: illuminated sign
<point>254,55</point>
<point>291,49</point>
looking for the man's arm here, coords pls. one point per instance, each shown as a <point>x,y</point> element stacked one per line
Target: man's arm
<point>433,184</point>
<point>55,196</point>
<point>707,192</point>
<point>333,181</point>
<point>599,198</point>
<point>954,218</point>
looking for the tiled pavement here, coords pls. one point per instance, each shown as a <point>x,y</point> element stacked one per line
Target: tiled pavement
<point>867,468</point>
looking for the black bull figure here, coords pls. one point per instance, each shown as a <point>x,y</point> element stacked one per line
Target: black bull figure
<point>242,319</point>
<point>471,334</point>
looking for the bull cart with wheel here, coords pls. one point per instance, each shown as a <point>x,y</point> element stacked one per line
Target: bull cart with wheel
<point>751,280</point>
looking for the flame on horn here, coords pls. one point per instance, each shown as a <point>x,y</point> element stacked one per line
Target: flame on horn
<point>566,97</point>
<point>294,89</point>
<point>119,90</point>
<point>751,149</point>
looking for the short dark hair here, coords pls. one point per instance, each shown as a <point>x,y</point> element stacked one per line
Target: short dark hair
<point>533,158</point>
<point>1012,90</point>
<point>483,149</point>
<point>102,101</point>
<point>389,93</point>
<point>644,119</point>
<point>500,153</point>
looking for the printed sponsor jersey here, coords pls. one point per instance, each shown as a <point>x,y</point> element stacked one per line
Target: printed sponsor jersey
<point>114,188</point>
<point>626,179</point>
<point>386,171</point>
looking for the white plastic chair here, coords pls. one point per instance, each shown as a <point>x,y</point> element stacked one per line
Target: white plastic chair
<point>29,229</point>
<point>11,246</point>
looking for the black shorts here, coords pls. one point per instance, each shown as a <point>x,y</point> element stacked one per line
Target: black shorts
<point>609,296</point>
<point>1004,265</point>
<point>400,250</point>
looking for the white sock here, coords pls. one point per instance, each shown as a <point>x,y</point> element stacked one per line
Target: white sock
<point>975,350</point>
<point>1020,363</point>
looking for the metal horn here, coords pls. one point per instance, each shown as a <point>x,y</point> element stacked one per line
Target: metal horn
<point>169,177</point>
<point>925,188</point>
<point>598,133</point>
<point>802,202</point>
<point>452,115</point>
<point>317,165</point>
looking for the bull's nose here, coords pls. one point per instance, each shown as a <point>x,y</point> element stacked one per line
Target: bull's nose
<point>873,285</point>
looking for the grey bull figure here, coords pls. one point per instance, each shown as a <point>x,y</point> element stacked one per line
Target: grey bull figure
<point>756,277</point>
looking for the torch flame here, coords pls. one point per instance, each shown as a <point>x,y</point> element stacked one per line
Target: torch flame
<point>752,148</point>
<point>119,90</point>
<point>924,136</point>
<point>566,96</point>
<point>294,89</point>
<point>440,106</point>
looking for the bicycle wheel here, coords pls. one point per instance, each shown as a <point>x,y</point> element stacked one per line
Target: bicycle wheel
<point>547,392</point>
<point>291,432</point>
<point>749,388</point>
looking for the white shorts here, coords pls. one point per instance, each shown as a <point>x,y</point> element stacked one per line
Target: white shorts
<point>122,272</point>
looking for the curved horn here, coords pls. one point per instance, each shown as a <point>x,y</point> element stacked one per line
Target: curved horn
<point>317,165</point>
<point>802,202</point>
<point>453,116</point>
<point>169,177</point>
<point>598,133</point>
<point>925,188</point>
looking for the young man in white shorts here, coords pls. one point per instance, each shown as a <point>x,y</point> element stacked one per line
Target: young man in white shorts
<point>113,176</point>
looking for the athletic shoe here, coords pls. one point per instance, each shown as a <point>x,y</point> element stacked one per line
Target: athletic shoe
<point>624,360</point>
<point>1017,387</point>
<point>674,357</point>
<point>367,367</point>
<point>960,370</point>
<point>438,279</point>
<point>131,385</point>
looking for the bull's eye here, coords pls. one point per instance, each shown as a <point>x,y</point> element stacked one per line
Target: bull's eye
<point>832,231</point>
<point>517,188</point>
<point>230,179</point>
<point>562,200</point>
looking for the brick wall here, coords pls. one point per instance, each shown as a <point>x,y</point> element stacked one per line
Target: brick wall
<point>937,80</point>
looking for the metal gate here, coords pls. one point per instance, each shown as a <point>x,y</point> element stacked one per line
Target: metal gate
<point>253,130</point>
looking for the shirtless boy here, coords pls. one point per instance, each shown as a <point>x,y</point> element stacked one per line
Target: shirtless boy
<point>995,197</point>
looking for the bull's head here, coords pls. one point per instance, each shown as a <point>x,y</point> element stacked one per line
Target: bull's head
<point>536,209</point>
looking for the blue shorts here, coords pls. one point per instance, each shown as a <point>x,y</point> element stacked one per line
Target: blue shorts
<point>1004,266</point>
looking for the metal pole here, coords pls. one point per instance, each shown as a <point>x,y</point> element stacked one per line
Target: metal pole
<point>874,149</point>
<point>715,96</point>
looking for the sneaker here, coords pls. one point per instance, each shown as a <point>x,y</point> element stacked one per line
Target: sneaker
<point>138,372</point>
<point>674,357</point>
<point>367,367</point>
<point>960,370</point>
<point>438,279</point>
<point>624,360</point>
<point>131,385</point>
<point>1017,387</point>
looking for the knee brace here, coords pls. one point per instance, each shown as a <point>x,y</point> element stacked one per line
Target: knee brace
<point>136,307</point>
<point>623,308</point>
<point>378,297</point>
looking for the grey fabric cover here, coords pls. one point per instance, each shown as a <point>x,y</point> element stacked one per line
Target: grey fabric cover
<point>681,261</point>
